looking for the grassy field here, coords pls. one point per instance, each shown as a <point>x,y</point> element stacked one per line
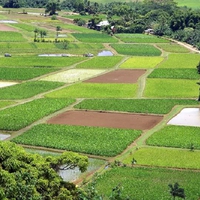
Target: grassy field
<point>171,88</point>
<point>6,103</point>
<point>181,61</point>
<point>174,73</point>
<point>148,183</point>
<point>10,36</point>
<point>141,62</point>
<point>100,62</point>
<point>16,74</point>
<point>94,37</point>
<point>195,4</point>
<point>140,38</point>
<point>173,48</point>
<point>176,136</point>
<point>27,89</point>
<point>154,106</point>
<point>20,116</point>
<point>95,90</point>
<point>136,49</point>
<point>91,140</point>
<point>176,158</point>
<point>35,61</point>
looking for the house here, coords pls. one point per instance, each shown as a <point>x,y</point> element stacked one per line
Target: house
<point>149,31</point>
<point>101,24</point>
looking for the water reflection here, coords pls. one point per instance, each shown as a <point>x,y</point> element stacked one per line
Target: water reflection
<point>105,53</point>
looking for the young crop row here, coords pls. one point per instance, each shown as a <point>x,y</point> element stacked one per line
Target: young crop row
<point>27,89</point>
<point>136,49</point>
<point>148,183</point>
<point>26,27</point>
<point>175,73</point>
<point>141,62</point>
<point>20,116</point>
<point>23,73</point>
<point>10,36</point>
<point>176,158</point>
<point>94,37</point>
<point>95,90</point>
<point>176,136</point>
<point>181,61</point>
<point>171,88</point>
<point>100,62</point>
<point>140,38</point>
<point>156,106</point>
<point>34,61</point>
<point>173,47</point>
<point>91,140</point>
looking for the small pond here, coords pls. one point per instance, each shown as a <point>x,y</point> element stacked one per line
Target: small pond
<point>8,21</point>
<point>105,53</point>
<point>72,175</point>
<point>187,117</point>
<point>4,136</point>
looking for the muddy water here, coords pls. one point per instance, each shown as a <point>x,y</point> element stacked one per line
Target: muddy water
<point>187,117</point>
<point>105,53</point>
<point>5,83</point>
<point>4,136</point>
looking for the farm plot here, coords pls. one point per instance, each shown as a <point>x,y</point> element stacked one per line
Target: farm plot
<point>154,106</point>
<point>91,140</point>
<point>10,36</point>
<point>105,119</point>
<point>100,62</point>
<point>175,73</point>
<point>171,88</point>
<point>177,158</point>
<point>6,103</point>
<point>27,89</point>
<point>94,37</point>
<point>118,76</point>
<point>181,61</point>
<point>140,38</point>
<point>95,90</point>
<point>20,116</point>
<point>187,117</point>
<point>136,49</point>
<point>141,62</point>
<point>148,183</point>
<point>4,27</point>
<point>176,136</point>
<point>34,61</point>
<point>23,73</point>
<point>173,47</point>
<point>25,27</point>
<point>73,75</point>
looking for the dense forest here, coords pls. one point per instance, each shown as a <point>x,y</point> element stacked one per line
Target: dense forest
<point>163,16</point>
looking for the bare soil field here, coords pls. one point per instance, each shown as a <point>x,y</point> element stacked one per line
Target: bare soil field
<point>4,27</point>
<point>107,119</point>
<point>118,76</point>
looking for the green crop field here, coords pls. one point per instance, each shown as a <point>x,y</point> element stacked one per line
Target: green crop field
<point>181,61</point>
<point>92,140</point>
<point>6,103</point>
<point>173,47</point>
<point>141,62</point>
<point>100,62</point>
<point>140,38</point>
<point>23,73</point>
<point>136,49</point>
<point>148,183</point>
<point>171,88</point>
<point>27,89</point>
<point>26,27</point>
<point>177,158</point>
<point>175,73</point>
<point>34,61</point>
<point>20,116</point>
<point>176,136</point>
<point>10,36</point>
<point>95,90</point>
<point>195,4</point>
<point>156,106</point>
<point>94,37</point>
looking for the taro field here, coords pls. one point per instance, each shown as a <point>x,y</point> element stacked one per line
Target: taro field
<point>115,108</point>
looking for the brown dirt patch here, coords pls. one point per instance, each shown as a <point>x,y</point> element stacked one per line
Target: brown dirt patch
<point>119,76</point>
<point>107,119</point>
<point>4,27</point>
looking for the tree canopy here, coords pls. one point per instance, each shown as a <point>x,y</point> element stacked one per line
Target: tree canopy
<point>30,176</point>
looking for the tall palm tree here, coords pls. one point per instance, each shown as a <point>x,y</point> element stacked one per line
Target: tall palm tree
<point>176,191</point>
